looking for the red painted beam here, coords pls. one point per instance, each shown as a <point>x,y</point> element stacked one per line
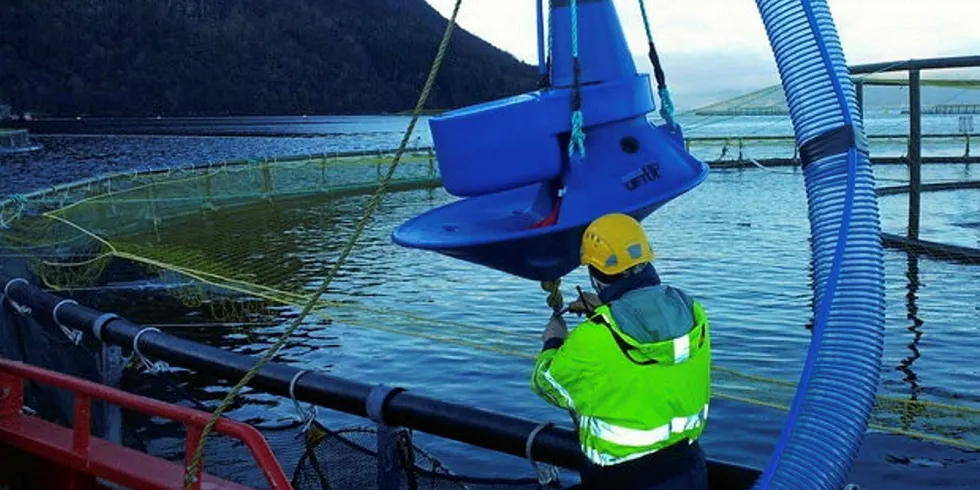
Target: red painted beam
<point>78,450</point>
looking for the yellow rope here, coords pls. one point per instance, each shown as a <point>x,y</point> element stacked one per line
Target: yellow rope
<point>279,296</point>
<point>885,403</point>
<point>192,469</point>
<point>737,398</point>
<point>872,426</point>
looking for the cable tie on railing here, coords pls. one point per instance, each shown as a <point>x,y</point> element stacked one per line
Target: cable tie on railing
<point>99,323</point>
<point>75,336</point>
<point>152,367</point>
<point>549,474</point>
<point>19,308</point>
<point>308,415</point>
<point>377,399</point>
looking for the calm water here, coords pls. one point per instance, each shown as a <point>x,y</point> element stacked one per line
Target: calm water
<point>737,242</point>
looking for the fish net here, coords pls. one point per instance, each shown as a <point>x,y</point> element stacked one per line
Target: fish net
<point>245,240</point>
<point>348,458</point>
<point>718,134</point>
<point>218,225</point>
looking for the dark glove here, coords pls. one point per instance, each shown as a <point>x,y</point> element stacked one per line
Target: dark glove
<point>586,303</point>
<point>556,329</point>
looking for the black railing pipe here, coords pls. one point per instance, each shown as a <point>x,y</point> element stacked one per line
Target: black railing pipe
<point>482,428</point>
<point>459,422</point>
<point>921,64</point>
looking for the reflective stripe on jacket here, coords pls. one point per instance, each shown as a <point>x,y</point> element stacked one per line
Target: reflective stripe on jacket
<point>631,398</point>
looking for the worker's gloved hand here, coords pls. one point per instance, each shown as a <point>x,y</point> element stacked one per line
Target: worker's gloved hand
<point>556,328</point>
<point>591,302</point>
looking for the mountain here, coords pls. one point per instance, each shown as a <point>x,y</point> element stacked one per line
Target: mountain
<point>240,57</point>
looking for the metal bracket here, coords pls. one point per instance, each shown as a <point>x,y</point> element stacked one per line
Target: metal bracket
<point>377,399</point>
<point>390,470</point>
<point>151,367</point>
<point>99,323</point>
<point>307,416</point>
<point>75,336</point>
<point>20,309</point>
<point>548,475</point>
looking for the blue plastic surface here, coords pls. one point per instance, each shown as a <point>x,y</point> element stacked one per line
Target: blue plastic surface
<point>508,158</point>
<point>494,230</point>
<point>514,142</point>
<point>603,51</point>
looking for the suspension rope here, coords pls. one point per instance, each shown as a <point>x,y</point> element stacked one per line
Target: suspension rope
<point>666,104</point>
<point>192,469</point>
<point>577,140</point>
<point>542,61</point>
<point>551,40</point>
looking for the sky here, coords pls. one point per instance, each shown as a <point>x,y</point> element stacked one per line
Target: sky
<point>712,50</point>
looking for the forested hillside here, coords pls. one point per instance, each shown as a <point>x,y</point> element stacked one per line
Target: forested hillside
<point>237,57</point>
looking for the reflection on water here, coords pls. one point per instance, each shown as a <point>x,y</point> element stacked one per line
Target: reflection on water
<point>905,366</point>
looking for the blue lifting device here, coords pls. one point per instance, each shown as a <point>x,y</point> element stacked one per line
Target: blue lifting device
<point>533,170</point>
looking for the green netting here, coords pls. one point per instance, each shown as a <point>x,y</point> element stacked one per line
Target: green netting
<point>206,222</point>
<point>955,94</point>
<point>254,228</point>
<point>245,227</point>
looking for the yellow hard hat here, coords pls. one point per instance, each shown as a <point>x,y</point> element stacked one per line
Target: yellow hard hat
<point>615,242</point>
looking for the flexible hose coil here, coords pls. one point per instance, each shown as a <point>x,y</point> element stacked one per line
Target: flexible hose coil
<point>833,403</point>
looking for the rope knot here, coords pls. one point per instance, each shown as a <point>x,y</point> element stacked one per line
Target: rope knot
<point>555,300</point>
<point>577,141</point>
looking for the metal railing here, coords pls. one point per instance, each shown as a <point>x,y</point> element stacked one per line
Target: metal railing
<point>386,406</point>
<point>82,453</point>
<point>914,69</point>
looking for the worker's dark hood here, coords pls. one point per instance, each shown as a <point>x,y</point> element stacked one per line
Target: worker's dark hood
<point>647,277</point>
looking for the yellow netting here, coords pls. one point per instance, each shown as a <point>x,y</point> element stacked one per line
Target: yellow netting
<point>945,423</point>
<point>227,227</point>
<point>771,101</point>
<point>216,223</point>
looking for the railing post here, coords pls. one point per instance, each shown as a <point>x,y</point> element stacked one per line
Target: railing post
<point>389,464</point>
<point>432,163</point>
<point>208,191</point>
<point>268,182</point>
<point>915,152</point>
<point>111,366</point>
<point>859,90</point>
<point>193,440</point>
<point>83,425</point>
<point>966,127</point>
<point>11,394</point>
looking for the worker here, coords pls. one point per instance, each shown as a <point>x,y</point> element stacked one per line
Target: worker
<point>635,374</point>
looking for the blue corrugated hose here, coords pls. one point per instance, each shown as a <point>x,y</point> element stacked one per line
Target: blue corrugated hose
<point>833,403</point>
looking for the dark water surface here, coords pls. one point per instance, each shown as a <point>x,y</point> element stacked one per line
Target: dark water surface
<point>738,243</point>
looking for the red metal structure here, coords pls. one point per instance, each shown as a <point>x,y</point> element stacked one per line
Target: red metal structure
<point>39,454</point>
